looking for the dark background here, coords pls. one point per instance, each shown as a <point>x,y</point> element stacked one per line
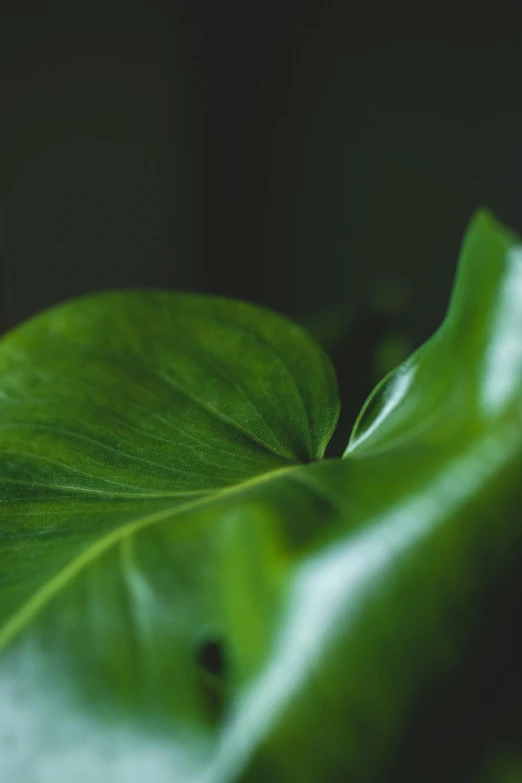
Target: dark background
<point>301,155</point>
<point>322,158</point>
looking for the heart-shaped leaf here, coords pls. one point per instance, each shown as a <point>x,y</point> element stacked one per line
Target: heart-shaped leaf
<point>188,590</point>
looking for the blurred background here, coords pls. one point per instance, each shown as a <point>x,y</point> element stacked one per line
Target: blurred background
<point>320,158</point>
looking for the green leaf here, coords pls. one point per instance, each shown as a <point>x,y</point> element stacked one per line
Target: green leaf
<point>189,591</point>
<point>136,430</point>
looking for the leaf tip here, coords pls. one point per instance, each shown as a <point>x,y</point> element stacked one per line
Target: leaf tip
<point>484,227</point>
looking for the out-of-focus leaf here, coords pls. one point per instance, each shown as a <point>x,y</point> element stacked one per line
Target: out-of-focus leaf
<point>188,591</point>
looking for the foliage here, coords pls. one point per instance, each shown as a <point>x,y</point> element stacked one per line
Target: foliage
<point>188,589</point>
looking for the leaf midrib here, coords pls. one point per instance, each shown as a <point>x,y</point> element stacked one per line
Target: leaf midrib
<point>21,618</point>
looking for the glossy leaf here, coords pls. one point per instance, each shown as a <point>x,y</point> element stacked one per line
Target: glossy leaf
<point>188,591</point>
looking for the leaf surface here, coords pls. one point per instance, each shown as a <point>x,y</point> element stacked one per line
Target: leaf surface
<point>188,590</point>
